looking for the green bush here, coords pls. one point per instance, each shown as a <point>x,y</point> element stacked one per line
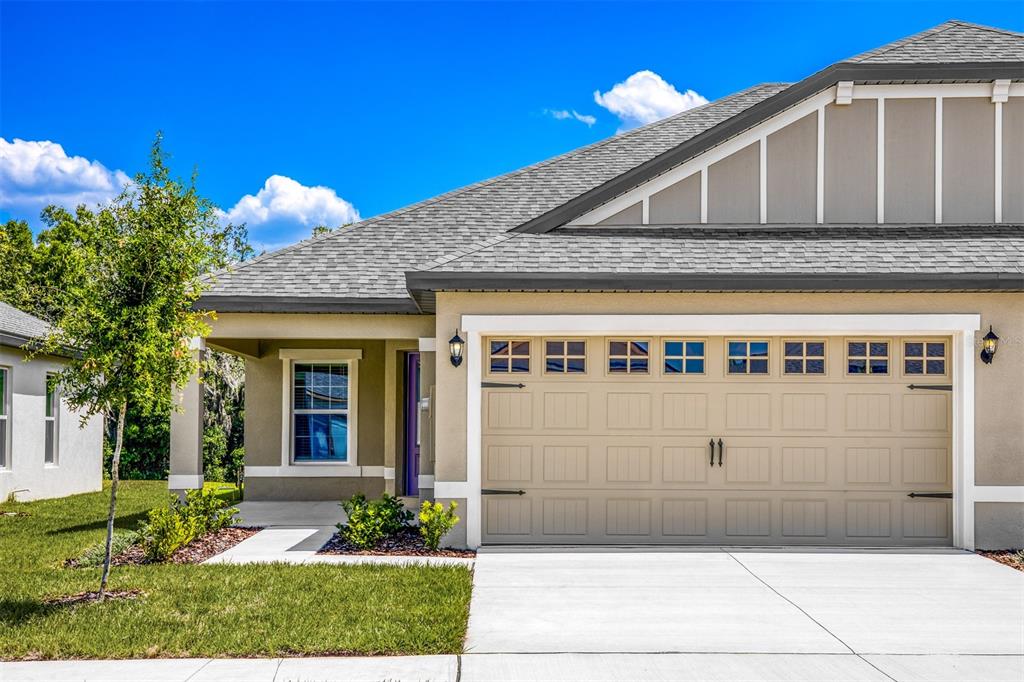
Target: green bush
<point>94,554</point>
<point>436,521</point>
<point>370,521</point>
<point>170,528</point>
<point>235,466</point>
<point>215,452</point>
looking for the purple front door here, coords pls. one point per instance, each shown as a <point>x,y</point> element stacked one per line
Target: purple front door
<point>411,459</point>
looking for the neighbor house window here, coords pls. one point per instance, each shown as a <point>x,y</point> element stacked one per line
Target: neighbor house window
<point>628,357</point>
<point>5,419</point>
<point>803,357</point>
<point>684,357</point>
<point>52,408</point>
<point>510,356</point>
<point>565,357</point>
<point>924,357</point>
<point>320,412</point>
<point>748,357</point>
<point>867,357</point>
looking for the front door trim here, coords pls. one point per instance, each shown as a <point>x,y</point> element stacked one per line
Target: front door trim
<point>961,327</point>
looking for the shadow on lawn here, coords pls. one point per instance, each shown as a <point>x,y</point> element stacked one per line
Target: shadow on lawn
<point>14,612</point>
<point>130,522</point>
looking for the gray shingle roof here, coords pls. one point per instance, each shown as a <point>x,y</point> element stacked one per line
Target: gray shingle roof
<point>368,259</point>
<point>951,42</point>
<point>763,249</point>
<point>19,324</point>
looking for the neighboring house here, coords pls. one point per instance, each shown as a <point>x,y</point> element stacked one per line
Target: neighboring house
<point>45,451</point>
<point>757,322</point>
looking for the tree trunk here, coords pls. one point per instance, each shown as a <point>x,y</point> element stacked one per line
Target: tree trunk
<point>115,466</point>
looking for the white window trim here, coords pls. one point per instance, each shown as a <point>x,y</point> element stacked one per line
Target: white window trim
<point>55,419</point>
<point>665,357</point>
<point>6,417</point>
<point>289,356</point>
<point>962,327</point>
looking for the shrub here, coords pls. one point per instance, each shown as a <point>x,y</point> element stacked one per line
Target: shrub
<point>94,554</point>
<point>436,521</point>
<point>208,510</point>
<point>235,466</point>
<point>215,451</point>
<point>370,521</point>
<point>169,528</point>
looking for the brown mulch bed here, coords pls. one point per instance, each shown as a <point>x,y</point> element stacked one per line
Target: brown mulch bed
<point>195,552</point>
<point>1014,558</point>
<point>406,543</point>
<point>90,597</point>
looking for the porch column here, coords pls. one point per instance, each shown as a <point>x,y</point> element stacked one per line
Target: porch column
<point>187,433</point>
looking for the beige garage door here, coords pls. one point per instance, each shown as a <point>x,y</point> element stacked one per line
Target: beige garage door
<point>716,440</point>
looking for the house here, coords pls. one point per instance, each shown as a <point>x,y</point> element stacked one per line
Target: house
<point>768,320</point>
<point>45,450</point>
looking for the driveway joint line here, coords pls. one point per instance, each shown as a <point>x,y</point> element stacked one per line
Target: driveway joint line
<point>812,618</point>
<point>277,670</point>
<point>199,669</point>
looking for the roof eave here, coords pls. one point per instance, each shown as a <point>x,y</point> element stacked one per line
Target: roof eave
<point>843,71</point>
<point>303,304</point>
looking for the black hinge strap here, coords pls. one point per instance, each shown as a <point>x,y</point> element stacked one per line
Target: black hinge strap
<point>930,387</point>
<point>498,491</point>
<point>499,384</point>
<point>944,496</point>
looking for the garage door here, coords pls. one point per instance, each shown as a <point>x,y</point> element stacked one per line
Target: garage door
<point>721,440</point>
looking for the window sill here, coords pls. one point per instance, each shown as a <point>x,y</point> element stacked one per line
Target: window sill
<point>315,470</point>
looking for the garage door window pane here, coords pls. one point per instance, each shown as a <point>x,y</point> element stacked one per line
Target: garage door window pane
<point>684,357</point>
<point>748,357</point>
<point>510,357</point>
<point>628,357</point>
<point>565,357</point>
<point>804,357</point>
<point>867,357</point>
<point>924,357</point>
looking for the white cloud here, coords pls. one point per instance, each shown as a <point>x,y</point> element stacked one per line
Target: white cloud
<point>566,115</point>
<point>646,97</point>
<point>283,202</point>
<point>34,174</point>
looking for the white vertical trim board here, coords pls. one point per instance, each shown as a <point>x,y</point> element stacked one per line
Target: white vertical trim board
<point>880,162</point>
<point>998,153</point>
<point>938,160</point>
<point>645,210</point>
<point>704,195</point>
<point>820,169</point>
<point>763,179</point>
<point>961,326</point>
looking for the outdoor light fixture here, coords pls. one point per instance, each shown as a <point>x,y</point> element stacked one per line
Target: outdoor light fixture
<point>456,345</point>
<point>989,343</point>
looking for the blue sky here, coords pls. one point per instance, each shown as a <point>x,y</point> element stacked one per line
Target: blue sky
<point>381,104</point>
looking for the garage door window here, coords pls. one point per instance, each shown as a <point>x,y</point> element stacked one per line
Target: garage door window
<point>867,357</point>
<point>748,357</point>
<point>628,357</point>
<point>565,357</point>
<point>924,357</point>
<point>803,357</point>
<point>510,357</point>
<point>684,357</point>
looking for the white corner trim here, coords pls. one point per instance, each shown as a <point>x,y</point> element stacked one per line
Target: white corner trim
<point>320,354</point>
<point>315,471</point>
<point>425,481</point>
<point>388,473</point>
<point>1000,90</point>
<point>999,493</point>
<point>427,344</point>
<point>185,481</point>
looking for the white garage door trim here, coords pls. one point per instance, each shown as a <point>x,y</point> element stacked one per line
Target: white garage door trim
<point>960,326</point>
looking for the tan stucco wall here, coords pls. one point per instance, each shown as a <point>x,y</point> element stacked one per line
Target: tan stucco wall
<point>304,489</point>
<point>251,326</point>
<point>999,525</point>
<point>792,164</point>
<point>968,159</point>
<point>999,426</point>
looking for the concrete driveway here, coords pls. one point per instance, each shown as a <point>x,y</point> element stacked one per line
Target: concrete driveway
<point>716,614</point>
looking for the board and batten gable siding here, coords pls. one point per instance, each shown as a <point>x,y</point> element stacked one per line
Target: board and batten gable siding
<point>938,164</point>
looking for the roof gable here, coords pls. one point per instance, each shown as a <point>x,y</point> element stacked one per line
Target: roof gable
<point>952,41</point>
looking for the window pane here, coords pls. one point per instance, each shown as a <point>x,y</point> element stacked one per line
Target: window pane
<point>576,365</point>
<point>3,391</point>
<point>3,442</point>
<point>617,348</point>
<point>913,350</point>
<point>879,350</point>
<point>520,365</point>
<point>694,366</point>
<point>49,394</point>
<point>673,365</point>
<point>555,347</point>
<point>555,365</point>
<point>816,349</point>
<point>936,350</point>
<point>674,348</point>
<point>48,452</point>
<point>794,349</point>
<point>576,348</point>
<point>913,366</point>
<point>617,365</point>
<point>856,349</point>
<point>321,437</point>
<point>695,348</point>
<point>793,366</point>
<point>301,397</point>
<point>638,347</point>
<point>759,349</point>
<point>737,366</point>
<point>499,364</point>
<point>879,366</point>
<point>498,347</point>
<point>737,348</point>
<point>758,366</point>
<point>638,365</point>
<point>815,367</point>
<point>936,366</point>
<point>521,348</point>
<point>856,366</point>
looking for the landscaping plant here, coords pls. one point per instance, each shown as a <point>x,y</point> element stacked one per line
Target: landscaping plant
<point>370,521</point>
<point>435,522</point>
<point>171,527</point>
<point>94,554</point>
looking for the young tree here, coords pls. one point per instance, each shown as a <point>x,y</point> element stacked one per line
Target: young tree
<point>134,273</point>
<point>16,265</point>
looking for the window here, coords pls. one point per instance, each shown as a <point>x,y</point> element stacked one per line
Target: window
<point>684,357</point>
<point>565,357</point>
<point>867,357</point>
<point>803,357</point>
<point>50,425</point>
<point>924,357</point>
<point>628,357</point>
<point>4,416</point>
<point>510,356</point>
<point>748,357</point>
<point>320,412</point>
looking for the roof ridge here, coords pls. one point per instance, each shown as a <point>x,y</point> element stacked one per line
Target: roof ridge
<point>927,33</point>
<point>481,183</point>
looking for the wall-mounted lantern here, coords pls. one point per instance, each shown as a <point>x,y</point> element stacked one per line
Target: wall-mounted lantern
<point>989,343</point>
<point>456,345</point>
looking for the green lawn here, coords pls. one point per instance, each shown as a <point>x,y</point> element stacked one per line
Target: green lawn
<point>255,610</point>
